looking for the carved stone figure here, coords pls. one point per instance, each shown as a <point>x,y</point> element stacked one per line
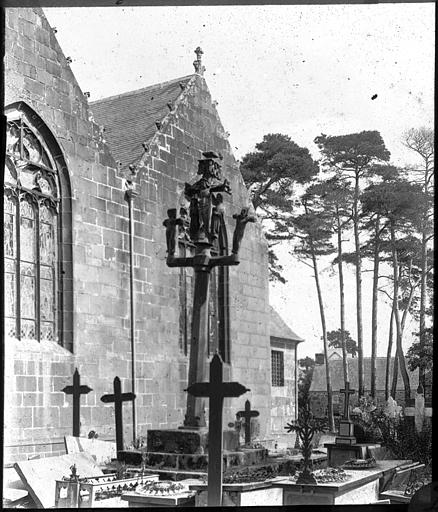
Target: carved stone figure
<point>242,220</point>
<point>217,215</point>
<point>171,230</point>
<point>202,195</point>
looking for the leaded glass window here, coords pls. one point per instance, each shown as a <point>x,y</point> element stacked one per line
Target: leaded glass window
<point>31,233</point>
<point>277,368</point>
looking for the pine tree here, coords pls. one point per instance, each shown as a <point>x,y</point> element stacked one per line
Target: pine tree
<point>354,155</point>
<point>271,174</point>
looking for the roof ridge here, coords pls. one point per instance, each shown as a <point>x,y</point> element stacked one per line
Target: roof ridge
<point>165,120</point>
<point>143,89</point>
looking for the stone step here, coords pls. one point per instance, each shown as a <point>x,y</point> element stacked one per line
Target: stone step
<point>192,462</point>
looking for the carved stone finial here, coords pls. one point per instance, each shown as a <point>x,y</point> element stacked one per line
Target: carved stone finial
<point>69,60</point>
<point>199,68</point>
<point>87,94</point>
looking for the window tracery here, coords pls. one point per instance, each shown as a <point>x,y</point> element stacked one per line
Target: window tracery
<point>31,228</point>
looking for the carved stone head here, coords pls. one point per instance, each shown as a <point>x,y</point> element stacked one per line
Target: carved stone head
<point>210,166</point>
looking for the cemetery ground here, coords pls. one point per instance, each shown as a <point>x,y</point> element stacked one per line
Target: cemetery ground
<point>392,462</point>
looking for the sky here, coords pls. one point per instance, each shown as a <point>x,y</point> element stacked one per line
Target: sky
<point>297,70</point>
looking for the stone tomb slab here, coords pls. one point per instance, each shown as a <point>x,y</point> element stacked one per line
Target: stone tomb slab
<point>39,476</point>
<point>243,494</point>
<point>362,488</point>
<point>101,451</point>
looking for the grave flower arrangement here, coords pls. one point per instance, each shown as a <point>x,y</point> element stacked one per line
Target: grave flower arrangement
<point>161,488</point>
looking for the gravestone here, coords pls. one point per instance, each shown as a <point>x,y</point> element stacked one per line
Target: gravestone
<point>345,446</point>
<point>76,390</point>
<point>39,476</point>
<point>216,390</point>
<point>118,398</point>
<point>247,414</point>
<point>101,451</point>
<point>346,426</point>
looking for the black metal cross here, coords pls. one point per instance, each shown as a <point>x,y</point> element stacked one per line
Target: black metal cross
<point>347,392</point>
<point>247,414</point>
<point>216,390</point>
<point>118,398</point>
<point>76,390</point>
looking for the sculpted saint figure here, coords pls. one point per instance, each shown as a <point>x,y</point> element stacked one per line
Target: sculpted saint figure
<point>171,230</point>
<point>203,194</point>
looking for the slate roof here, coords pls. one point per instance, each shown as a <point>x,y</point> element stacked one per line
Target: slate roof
<point>279,329</point>
<point>337,376</point>
<point>129,119</point>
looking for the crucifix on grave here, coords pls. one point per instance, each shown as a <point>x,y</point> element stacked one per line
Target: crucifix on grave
<point>346,426</point>
<point>216,390</point>
<point>247,414</point>
<point>206,220</point>
<point>76,390</point>
<point>118,398</point>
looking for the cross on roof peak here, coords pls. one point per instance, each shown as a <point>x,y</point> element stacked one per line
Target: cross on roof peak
<point>199,68</point>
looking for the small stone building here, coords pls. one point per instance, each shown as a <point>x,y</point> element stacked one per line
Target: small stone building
<point>318,388</point>
<point>284,399</point>
<point>68,255</point>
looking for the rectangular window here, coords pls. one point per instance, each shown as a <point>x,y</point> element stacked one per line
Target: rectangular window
<point>277,366</point>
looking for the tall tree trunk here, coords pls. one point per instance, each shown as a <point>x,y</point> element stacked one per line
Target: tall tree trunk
<point>399,353</point>
<point>388,353</point>
<point>361,390</point>
<point>423,304</point>
<point>394,374</point>
<point>331,423</point>
<point>423,279</point>
<point>341,296</point>
<point>374,306</point>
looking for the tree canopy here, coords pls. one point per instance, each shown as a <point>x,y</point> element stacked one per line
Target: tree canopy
<point>271,173</point>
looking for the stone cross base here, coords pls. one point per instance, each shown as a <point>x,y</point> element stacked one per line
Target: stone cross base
<point>187,441</point>
<point>337,454</point>
<point>346,433</point>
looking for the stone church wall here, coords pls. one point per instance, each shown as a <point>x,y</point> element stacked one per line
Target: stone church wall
<point>37,413</point>
<point>283,401</point>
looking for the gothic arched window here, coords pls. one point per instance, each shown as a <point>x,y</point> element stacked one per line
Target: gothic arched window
<point>37,255</point>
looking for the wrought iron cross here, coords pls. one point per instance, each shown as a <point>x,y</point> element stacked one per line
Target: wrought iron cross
<point>347,392</point>
<point>206,220</point>
<point>216,390</point>
<point>76,390</point>
<point>118,398</point>
<point>247,414</point>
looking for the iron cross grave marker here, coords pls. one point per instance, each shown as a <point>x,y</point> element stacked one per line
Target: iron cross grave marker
<point>247,414</point>
<point>118,398</point>
<point>216,390</point>
<point>76,390</point>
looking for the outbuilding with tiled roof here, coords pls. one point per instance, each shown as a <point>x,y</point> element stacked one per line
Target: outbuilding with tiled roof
<point>284,377</point>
